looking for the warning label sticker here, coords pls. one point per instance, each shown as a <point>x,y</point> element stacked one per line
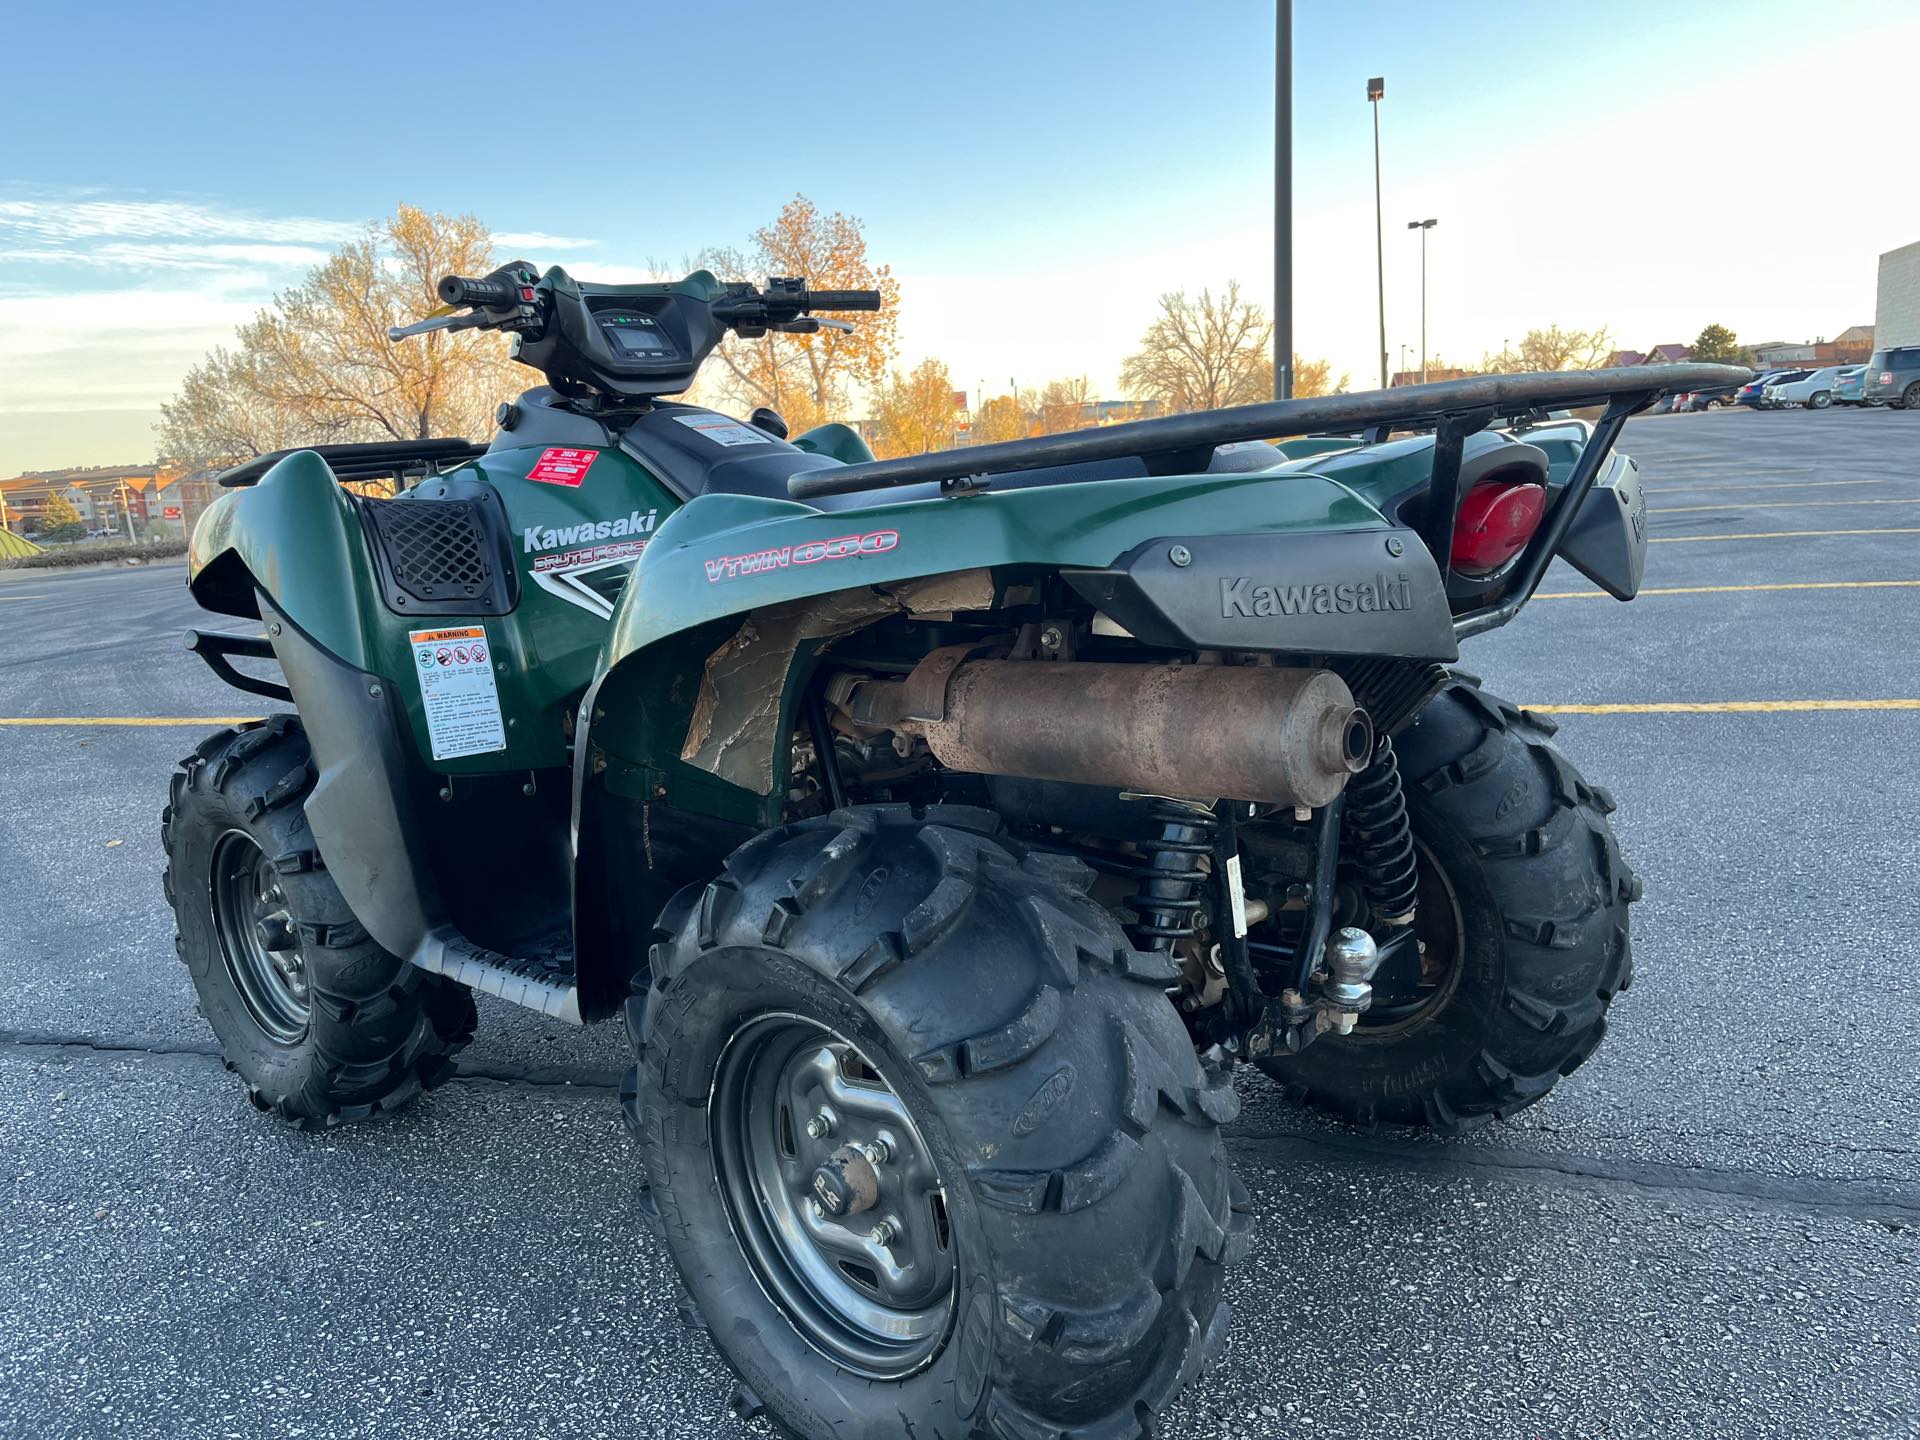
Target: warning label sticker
<point>723,431</point>
<point>455,668</point>
<point>563,467</point>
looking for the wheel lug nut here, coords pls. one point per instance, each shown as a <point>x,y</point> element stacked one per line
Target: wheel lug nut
<point>820,1126</point>
<point>883,1234</point>
<point>876,1151</point>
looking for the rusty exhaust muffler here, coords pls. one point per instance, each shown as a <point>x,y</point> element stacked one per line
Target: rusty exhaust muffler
<point>1278,736</point>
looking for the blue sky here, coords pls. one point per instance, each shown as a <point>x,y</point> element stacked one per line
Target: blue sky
<point>1035,173</point>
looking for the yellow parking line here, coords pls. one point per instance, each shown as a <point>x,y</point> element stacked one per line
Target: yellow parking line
<point>22,597</point>
<point>1782,534</point>
<point>1725,707</point>
<point>141,720</point>
<point>1763,485</point>
<point>1780,505</point>
<point>1738,589</point>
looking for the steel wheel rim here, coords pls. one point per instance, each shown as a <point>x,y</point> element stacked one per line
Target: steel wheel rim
<point>882,1310</point>
<point>257,943</point>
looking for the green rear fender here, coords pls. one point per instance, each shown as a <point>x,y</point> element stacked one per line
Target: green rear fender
<point>805,577</point>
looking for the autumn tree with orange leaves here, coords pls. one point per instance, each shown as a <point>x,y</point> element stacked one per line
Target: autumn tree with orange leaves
<point>915,412</point>
<point>809,379</point>
<point>317,366</point>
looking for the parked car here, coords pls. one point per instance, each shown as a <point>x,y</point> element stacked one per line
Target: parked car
<point>1749,394</point>
<point>1849,386</point>
<point>1893,377</point>
<point>1814,389</point>
<point>1705,399</point>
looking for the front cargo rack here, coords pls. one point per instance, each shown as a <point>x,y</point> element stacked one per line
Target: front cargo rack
<point>380,460</point>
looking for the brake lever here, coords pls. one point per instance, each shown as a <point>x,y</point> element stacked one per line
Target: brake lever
<point>811,325</point>
<point>472,318</point>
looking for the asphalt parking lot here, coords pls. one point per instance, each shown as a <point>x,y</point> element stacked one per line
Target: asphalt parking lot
<point>1712,1229</point>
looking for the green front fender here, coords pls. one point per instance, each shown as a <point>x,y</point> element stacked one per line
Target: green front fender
<point>723,558</point>
<point>295,536</point>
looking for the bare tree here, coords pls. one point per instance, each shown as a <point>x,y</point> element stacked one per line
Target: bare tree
<point>1203,354</point>
<point>1551,349</point>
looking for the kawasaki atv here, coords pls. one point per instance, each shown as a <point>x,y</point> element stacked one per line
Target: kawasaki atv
<point>946,830</point>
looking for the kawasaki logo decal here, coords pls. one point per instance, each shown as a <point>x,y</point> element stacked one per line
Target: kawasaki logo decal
<point>759,562</point>
<point>1241,597</point>
<point>534,538</point>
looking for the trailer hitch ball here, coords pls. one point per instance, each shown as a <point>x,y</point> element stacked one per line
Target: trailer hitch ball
<point>1352,957</point>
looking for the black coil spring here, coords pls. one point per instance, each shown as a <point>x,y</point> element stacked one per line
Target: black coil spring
<point>1378,838</point>
<point>1172,883</point>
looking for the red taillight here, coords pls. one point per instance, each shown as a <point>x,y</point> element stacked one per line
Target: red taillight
<point>1496,521</point>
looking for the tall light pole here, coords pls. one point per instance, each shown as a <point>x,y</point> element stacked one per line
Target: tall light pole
<point>1283,200</point>
<point>1376,88</point>
<point>1423,226</point>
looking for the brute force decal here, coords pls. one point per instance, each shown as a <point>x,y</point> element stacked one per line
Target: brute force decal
<point>759,562</point>
<point>569,563</point>
<point>1241,597</point>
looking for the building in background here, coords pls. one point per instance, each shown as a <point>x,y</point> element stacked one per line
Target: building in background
<point>1896,310</point>
<point>110,499</point>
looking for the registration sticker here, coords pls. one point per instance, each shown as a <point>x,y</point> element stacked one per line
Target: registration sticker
<point>723,431</point>
<point>563,467</point>
<point>462,704</point>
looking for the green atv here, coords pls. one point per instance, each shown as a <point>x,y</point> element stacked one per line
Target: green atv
<point>945,829</point>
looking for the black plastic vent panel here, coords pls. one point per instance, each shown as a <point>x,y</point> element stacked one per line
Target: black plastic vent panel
<point>440,557</point>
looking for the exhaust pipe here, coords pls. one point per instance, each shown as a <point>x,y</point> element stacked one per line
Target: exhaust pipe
<point>1277,736</point>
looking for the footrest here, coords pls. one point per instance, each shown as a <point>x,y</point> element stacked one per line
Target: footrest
<point>543,980</point>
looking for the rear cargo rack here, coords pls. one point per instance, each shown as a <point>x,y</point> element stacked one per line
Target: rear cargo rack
<point>1183,444</point>
<point>1451,409</point>
<point>380,460</point>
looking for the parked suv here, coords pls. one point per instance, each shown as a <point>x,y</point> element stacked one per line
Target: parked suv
<point>1893,376</point>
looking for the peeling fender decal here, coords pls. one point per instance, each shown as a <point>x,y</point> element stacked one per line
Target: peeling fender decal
<point>759,562</point>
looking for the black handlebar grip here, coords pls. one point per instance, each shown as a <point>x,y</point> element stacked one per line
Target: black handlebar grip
<point>459,290</point>
<point>843,300</point>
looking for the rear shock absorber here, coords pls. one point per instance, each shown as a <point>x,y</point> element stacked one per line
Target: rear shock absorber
<point>1379,840</point>
<point>1172,884</point>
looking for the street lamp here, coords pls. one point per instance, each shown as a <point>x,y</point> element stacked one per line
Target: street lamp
<point>1423,226</point>
<point>1283,200</point>
<point>1376,88</point>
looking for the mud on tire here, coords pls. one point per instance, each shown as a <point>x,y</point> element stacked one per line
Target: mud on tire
<point>1541,895</point>
<point>1075,1135</point>
<point>365,1031</point>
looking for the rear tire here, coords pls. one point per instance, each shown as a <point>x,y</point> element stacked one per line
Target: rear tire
<point>1910,397</point>
<point>1820,400</point>
<point>320,1023</point>
<point>1537,893</point>
<point>1085,1208</point>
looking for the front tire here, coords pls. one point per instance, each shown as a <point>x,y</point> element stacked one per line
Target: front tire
<point>320,1023</point>
<point>1052,1171</point>
<point>1523,910</point>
